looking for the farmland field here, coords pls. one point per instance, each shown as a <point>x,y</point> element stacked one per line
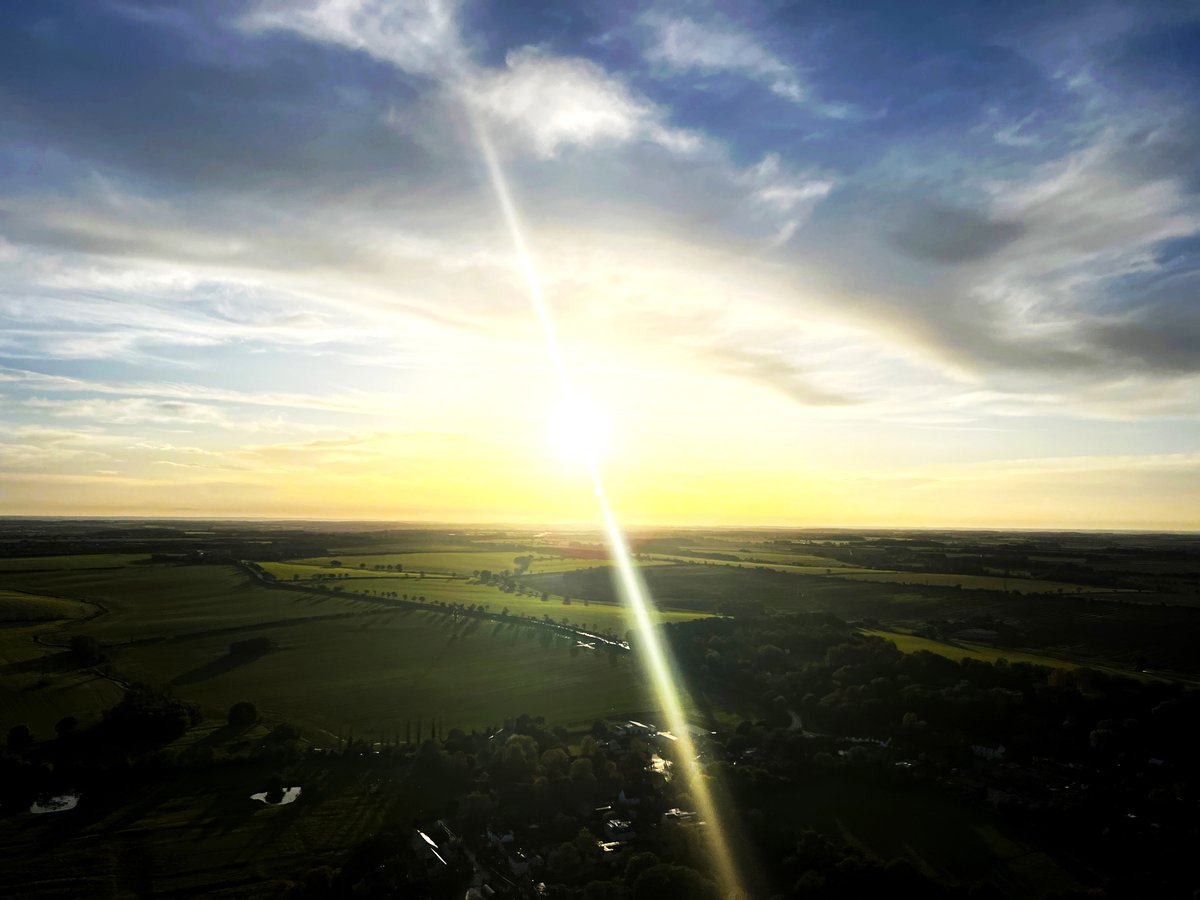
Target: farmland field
<point>458,562</point>
<point>607,615</point>
<point>344,660</point>
<point>74,561</point>
<point>21,606</point>
<point>39,686</point>
<point>373,672</point>
<point>382,655</point>
<point>152,601</point>
<point>832,568</point>
<point>911,643</point>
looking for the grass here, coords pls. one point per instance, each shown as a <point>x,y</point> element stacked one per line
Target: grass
<point>308,571</point>
<point>80,561</point>
<point>194,836</point>
<point>978,582</point>
<point>19,606</point>
<point>345,660</point>
<point>459,562</point>
<point>577,613</point>
<point>911,643</point>
<point>40,686</point>
<point>145,602</point>
<point>377,671</point>
<point>777,556</point>
<point>812,565</point>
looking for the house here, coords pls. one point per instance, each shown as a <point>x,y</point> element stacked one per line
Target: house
<point>618,829</point>
<point>678,815</point>
<point>500,837</point>
<point>988,752</point>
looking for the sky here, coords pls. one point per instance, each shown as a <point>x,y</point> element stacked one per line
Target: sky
<point>813,263</point>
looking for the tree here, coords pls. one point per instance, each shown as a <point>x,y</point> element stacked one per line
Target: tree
<point>274,789</point>
<point>564,861</point>
<point>242,714</point>
<point>20,738</point>
<point>87,649</point>
<point>554,761</point>
<point>639,863</point>
<point>66,726</point>
<point>147,716</point>
<point>665,882</point>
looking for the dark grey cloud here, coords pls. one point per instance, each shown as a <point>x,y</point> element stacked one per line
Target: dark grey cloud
<point>945,234</point>
<point>1168,345</point>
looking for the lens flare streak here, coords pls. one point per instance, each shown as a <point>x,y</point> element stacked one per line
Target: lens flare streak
<point>652,649</point>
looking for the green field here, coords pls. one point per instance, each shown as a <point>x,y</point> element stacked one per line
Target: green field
<point>376,671</point>
<point>775,556</point>
<point>308,571</point>
<point>195,836</point>
<point>20,606</point>
<point>143,602</point>
<point>577,613</point>
<point>458,562</point>
<point>813,565</point>
<point>911,643</point>
<point>39,685</point>
<point>346,658</point>
<point>78,561</point>
<point>977,582</point>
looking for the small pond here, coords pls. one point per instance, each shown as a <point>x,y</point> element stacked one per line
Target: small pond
<point>290,795</point>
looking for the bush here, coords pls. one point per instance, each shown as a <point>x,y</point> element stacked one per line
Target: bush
<point>146,716</point>
<point>20,738</point>
<point>242,714</point>
<point>87,649</point>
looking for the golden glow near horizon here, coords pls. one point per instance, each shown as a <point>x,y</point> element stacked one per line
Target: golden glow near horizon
<point>303,312</point>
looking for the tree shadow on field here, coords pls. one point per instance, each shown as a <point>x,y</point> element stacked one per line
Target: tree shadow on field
<point>218,666</point>
<point>62,661</point>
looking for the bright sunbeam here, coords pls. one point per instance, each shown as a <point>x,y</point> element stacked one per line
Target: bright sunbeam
<point>652,650</point>
<point>580,430</point>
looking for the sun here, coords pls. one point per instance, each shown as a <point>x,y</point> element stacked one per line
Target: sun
<point>580,430</point>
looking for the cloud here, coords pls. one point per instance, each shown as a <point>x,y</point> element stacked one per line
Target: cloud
<point>683,44</point>
<point>787,197</point>
<point>550,101</point>
<point>946,234</point>
<point>556,102</point>
<point>131,411</point>
<point>41,446</point>
<point>417,36</point>
<point>341,402</point>
<point>779,370</point>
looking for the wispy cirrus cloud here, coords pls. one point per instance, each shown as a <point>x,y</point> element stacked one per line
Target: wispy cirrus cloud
<point>686,45</point>
<point>417,36</point>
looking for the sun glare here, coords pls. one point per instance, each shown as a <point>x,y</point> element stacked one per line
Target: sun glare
<point>580,430</point>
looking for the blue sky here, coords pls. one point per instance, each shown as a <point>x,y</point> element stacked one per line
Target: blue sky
<point>818,262</point>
